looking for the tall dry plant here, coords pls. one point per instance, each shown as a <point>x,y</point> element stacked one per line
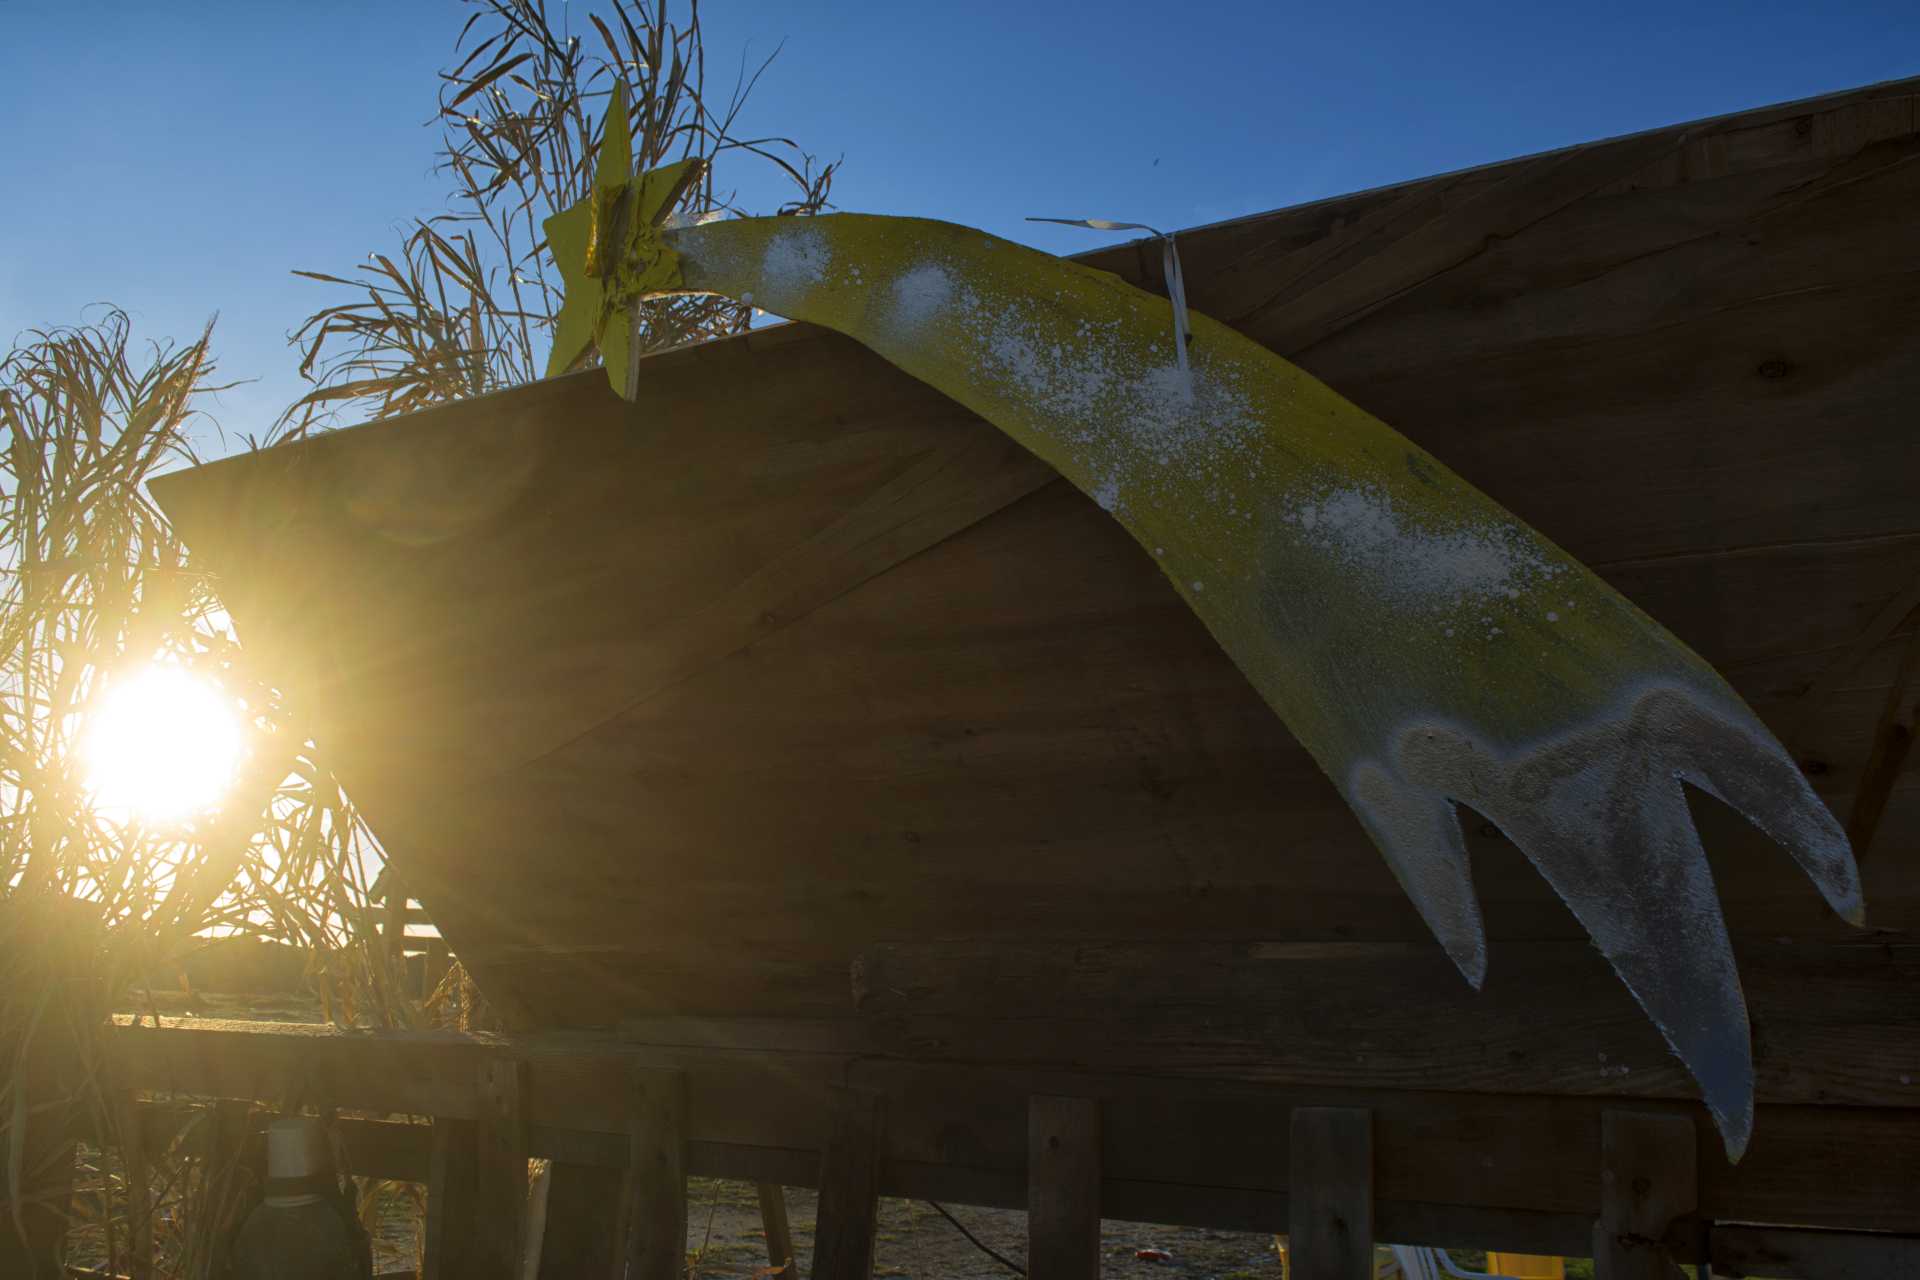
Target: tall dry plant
<point>93,583</point>
<point>465,304</point>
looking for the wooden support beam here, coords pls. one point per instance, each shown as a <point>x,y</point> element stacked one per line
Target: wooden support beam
<point>47,1157</point>
<point>849,1186</point>
<point>1063,1188</point>
<point>1330,1193</point>
<point>583,1223</point>
<point>1648,1183</point>
<point>1738,1251</point>
<point>654,1197</point>
<point>137,1163</point>
<point>451,1199</point>
<point>500,1176</point>
<point>227,1183</point>
<point>773,1221</point>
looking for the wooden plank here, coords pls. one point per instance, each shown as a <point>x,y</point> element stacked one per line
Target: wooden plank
<point>47,1072</point>
<point>1552,1016</point>
<point>1805,1164</point>
<point>227,1181</point>
<point>1742,333</point>
<point>1330,1194</point>
<point>1648,1187</point>
<point>1063,1188</point>
<point>452,1200</point>
<point>773,1222</point>
<point>500,1171</point>
<point>136,1162</point>
<point>583,1216</point>
<point>1811,1255</point>
<point>850,1175</point>
<point>654,1196</point>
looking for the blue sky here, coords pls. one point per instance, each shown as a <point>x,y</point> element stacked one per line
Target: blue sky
<point>180,159</point>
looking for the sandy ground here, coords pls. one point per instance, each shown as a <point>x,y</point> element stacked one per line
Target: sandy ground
<point>724,1239</point>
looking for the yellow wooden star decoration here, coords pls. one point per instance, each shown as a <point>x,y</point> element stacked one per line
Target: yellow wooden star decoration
<point>610,253</point>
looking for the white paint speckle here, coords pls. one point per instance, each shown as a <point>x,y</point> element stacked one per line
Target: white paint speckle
<point>795,261</point>
<point>1416,566</point>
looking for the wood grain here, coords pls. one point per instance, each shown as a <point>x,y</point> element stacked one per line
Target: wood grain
<point>653,1199</point>
<point>1330,1194</point>
<point>1648,1185</point>
<point>850,1177</point>
<point>1063,1188</point>
<point>451,1230</point>
<point>500,1170</point>
<point>817,656</point>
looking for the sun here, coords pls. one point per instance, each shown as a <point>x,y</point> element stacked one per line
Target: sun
<point>161,745</point>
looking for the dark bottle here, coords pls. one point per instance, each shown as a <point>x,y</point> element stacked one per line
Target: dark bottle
<point>304,1229</point>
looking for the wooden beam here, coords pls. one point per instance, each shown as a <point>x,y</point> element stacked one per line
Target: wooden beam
<point>1473,1169</point>
<point>850,1165</point>
<point>1063,1188</point>
<point>583,1223</point>
<point>500,1175</point>
<point>451,1199</point>
<point>1648,1184</point>
<point>1822,1255</point>
<point>773,1221</point>
<point>1330,1194</point>
<point>654,1196</point>
<point>137,1162</point>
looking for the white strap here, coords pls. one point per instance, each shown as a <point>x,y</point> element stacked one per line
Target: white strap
<point>1170,263</point>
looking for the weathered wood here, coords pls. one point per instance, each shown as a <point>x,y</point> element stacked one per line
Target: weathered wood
<point>1811,1255</point>
<point>850,1176</point>
<point>500,1170</point>
<point>773,1222</point>
<point>452,1199</point>
<point>43,1075</point>
<point>583,1223</point>
<point>136,1163</point>
<point>1330,1194</point>
<point>227,1182</point>
<point>1063,1188</point>
<point>811,572</point>
<point>1551,1017</point>
<point>653,1219</point>
<point>1648,1185</point>
<point>757,1111</point>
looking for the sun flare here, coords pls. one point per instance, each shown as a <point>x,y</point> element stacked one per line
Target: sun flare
<point>162,745</point>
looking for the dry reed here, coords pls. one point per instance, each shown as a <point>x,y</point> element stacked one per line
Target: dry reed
<point>93,583</point>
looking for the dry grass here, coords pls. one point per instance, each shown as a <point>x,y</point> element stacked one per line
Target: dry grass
<point>93,582</point>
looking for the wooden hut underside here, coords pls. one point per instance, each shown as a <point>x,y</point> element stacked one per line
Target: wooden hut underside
<point>792,710</point>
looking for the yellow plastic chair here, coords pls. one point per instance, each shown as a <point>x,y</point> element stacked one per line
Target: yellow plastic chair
<point>1527,1266</point>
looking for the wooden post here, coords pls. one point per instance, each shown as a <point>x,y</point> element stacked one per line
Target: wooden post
<point>451,1199</point>
<point>1063,1188</point>
<point>583,1224</point>
<point>849,1187</point>
<point>1648,1181</point>
<point>500,1175</point>
<point>654,1197</point>
<point>138,1165</point>
<point>225,1178</point>
<point>1330,1194</point>
<point>773,1221</point>
<point>47,1080</point>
